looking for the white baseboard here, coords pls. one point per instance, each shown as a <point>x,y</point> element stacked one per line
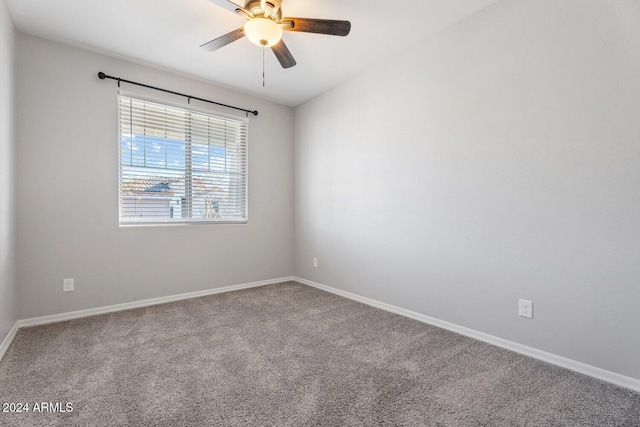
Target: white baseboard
<point>583,368</point>
<point>142,303</point>
<point>8,339</point>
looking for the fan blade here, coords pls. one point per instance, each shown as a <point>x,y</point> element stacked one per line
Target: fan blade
<point>319,26</point>
<point>283,54</point>
<point>226,4</point>
<point>222,41</point>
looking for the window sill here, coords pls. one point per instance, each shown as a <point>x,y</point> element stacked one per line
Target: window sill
<point>128,224</point>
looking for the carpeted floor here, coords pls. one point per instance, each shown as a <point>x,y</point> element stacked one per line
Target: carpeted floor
<point>291,355</point>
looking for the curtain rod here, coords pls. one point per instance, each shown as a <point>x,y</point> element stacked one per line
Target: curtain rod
<point>103,76</point>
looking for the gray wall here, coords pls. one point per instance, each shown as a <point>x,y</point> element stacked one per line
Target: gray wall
<point>497,160</point>
<point>68,191</point>
<point>7,182</point>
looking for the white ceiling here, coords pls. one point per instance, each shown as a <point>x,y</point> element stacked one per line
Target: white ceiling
<point>168,33</point>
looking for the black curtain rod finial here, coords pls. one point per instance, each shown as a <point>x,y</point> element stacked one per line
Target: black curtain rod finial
<point>102,75</point>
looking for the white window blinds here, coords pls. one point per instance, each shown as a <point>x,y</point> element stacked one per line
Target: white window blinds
<point>180,165</point>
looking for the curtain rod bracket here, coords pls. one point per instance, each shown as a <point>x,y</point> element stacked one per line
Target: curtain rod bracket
<point>103,76</point>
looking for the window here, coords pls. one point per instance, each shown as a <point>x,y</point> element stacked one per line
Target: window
<point>179,165</point>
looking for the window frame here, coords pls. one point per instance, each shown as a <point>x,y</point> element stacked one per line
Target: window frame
<point>187,107</point>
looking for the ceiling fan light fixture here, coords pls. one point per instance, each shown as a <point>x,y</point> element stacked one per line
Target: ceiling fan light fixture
<point>265,24</point>
<point>263,32</point>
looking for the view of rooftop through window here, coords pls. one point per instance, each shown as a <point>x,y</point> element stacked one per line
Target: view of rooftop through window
<point>180,165</point>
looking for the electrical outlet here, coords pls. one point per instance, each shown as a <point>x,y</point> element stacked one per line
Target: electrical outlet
<point>315,263</point>
<point>67,285</point>
<point>525,308</point>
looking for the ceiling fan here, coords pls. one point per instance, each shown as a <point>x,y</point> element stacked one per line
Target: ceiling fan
<point>265,24</point>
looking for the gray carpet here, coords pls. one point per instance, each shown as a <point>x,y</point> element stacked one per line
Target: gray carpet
<point>291,355</point>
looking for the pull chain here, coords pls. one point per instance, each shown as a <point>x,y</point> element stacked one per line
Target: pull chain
<point>263,49</point>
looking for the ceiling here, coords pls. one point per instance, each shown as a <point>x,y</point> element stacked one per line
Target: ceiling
<point>168,33</point>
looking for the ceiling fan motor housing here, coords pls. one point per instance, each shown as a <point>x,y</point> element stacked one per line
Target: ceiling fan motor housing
<point>267,8</point>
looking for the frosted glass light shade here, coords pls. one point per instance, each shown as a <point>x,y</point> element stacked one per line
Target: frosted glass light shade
<point>263,32</point>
